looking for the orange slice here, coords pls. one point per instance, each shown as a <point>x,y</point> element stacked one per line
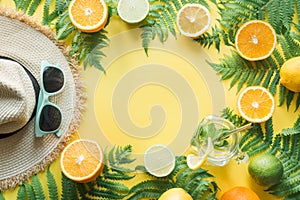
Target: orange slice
<point>88,15</point>
<point>193,20</point>
<point>82,160</point>
<point>255,40</point>
<point>256,104</point>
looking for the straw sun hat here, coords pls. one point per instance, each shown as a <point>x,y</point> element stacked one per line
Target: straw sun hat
<point>24,44</point>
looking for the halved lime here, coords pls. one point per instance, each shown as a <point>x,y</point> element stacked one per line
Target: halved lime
<point>133,11</point>
<point>159,160</point>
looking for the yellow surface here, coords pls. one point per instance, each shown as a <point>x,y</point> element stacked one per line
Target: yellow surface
<point>159,99</point>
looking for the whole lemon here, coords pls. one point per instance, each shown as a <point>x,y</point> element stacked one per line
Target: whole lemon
<point>265,169</point>
<point>175,194</point>
<point>290,74</point>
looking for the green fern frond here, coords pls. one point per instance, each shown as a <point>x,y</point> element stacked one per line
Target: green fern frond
<point>29,192</point>
<point>69,191</point>
<point>113,185</point>
<point>52,186</point>
<point>156,184</point>
<point>37,188</point>
<point>105,194</point>
<point>21,195</point>
<point>148,194</point>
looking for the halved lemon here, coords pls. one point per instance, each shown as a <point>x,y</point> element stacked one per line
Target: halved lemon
<point>159,160</point>
<point>193,20</point>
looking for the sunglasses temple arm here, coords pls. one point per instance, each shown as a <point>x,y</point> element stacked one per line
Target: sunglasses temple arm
<point>58,133</point>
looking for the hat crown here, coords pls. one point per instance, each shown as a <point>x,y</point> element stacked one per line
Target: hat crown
<point>17,96</point>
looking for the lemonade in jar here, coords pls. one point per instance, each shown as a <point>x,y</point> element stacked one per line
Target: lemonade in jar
<point>219,138</point>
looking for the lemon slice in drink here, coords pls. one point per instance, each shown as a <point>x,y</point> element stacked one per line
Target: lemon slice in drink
<point>133,11</point>
<point>195,161</point>
<point>193,20</point>
<point>159,160</point>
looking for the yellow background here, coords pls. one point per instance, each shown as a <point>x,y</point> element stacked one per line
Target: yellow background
<point>98,121</point>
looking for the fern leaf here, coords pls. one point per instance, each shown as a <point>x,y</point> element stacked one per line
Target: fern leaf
<point>118,176</point>
<point>52,187</point>
<point>106,194</point>
<point>149,194</point>
<point>69,191</point>
<point>37,188</point>
<point>29,191</point>
<point>21,195</point>
<point>115,186</point>
<point>33,6</point>
<point>156,184</point>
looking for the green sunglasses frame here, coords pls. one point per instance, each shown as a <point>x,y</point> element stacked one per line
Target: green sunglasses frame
<point>44,101</point>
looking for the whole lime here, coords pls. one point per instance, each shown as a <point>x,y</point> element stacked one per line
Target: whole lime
<point>265,169</point>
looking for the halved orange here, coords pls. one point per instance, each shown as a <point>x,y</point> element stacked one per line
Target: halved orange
<point>88,15</point>
<point>193,20</point>
<point>82,160</point>
<point>256,104</point>
<point>255,40</point>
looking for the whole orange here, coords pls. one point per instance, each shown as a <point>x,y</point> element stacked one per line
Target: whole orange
<point>239,193</point>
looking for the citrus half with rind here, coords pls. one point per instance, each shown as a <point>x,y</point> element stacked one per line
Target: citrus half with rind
<point>256,104</point>
<point>159,160</point>
<point>82,160</point>
<point>255,40</point>
<point>88,15</point>
<point>133,11</point>
<point>193,20</point>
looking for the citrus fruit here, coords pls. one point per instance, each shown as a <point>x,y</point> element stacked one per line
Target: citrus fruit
<point>256,104</point>
<point>88,15</point>
<point>193,20</point>
<point>133,11</point>
<point>175,194</point>
<point>195,161</point>
<point>239,193</point>
<point>265,169</point>
<point>82,160</point>
<point>255,40</point>
<point>290,74</point>
<point>159,160</point>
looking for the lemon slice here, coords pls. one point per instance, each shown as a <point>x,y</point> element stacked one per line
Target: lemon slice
<point>133,11</point>
<point>196,161</point>
<point>193,20</point>
<point>159,160</point>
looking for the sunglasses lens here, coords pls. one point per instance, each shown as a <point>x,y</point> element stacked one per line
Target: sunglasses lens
<point>50,118</point>
<point>53,79</point>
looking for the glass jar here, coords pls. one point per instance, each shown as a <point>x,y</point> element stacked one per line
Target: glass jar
<point>224,146</point>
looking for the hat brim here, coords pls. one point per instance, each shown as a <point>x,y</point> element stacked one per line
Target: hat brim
<point>22,154</point>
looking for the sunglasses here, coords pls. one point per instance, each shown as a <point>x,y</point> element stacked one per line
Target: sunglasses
<point>48,115</point>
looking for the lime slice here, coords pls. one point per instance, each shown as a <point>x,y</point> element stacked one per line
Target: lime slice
<point>159,160</point>
<point>195,161</point>
<point>133,11</point>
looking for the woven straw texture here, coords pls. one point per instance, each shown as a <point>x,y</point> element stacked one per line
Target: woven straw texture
<point>23,155</point>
